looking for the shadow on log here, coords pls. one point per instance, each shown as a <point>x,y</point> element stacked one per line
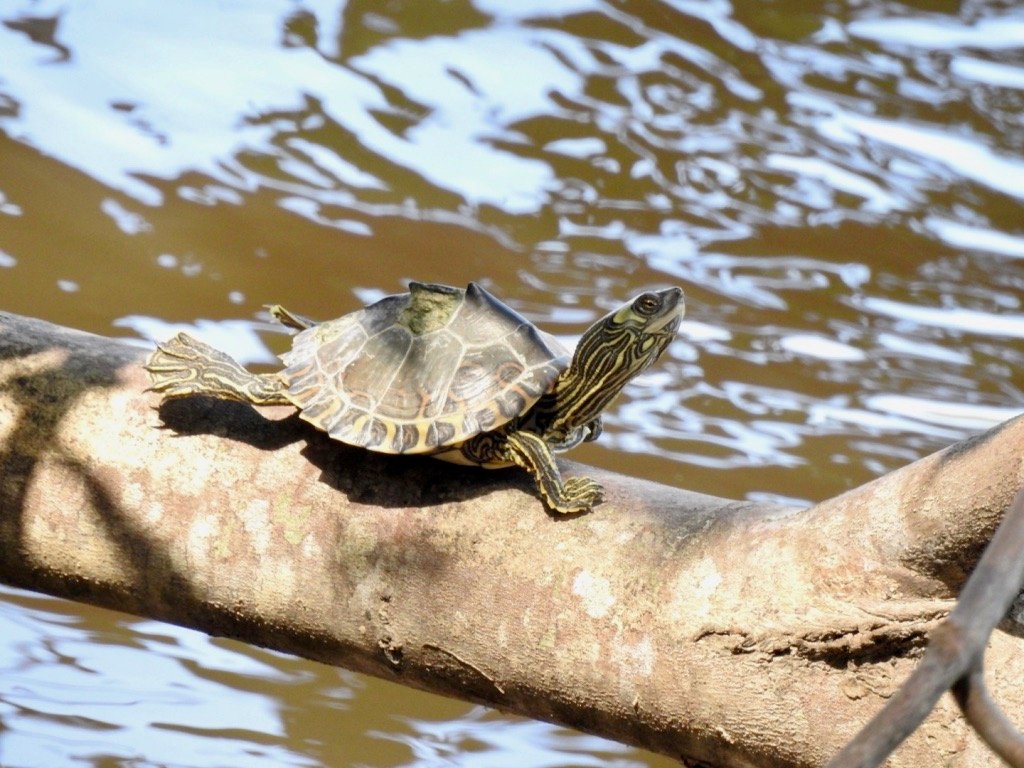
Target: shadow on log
<point>720,632</point>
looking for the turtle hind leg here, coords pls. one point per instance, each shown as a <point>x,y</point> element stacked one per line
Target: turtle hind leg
<point>185,366</point>
<point>577,494</point>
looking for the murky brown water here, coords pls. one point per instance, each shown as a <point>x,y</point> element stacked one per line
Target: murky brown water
<point>839,192</point>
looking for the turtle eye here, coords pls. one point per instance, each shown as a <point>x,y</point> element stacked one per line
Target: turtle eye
<point>647,304</point>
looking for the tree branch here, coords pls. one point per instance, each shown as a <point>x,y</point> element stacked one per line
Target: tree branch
<point>727,633</point>
<point>987,719</point>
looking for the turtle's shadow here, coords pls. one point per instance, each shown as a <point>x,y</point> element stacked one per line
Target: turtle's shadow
<point>363,476</point>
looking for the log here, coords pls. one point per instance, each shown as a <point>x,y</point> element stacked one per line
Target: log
<point>717,631</point>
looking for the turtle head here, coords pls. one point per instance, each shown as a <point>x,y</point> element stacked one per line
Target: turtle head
<point>625,342</point>
<point>616,348</point>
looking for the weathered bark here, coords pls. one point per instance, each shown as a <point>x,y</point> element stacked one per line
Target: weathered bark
<point>730,632</point>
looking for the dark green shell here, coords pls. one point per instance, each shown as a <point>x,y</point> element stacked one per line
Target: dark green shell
<point>420,371</point>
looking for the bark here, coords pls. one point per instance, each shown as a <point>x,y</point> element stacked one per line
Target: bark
<point>727,632</point>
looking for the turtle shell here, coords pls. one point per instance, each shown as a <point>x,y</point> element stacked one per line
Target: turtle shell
<point>421,371</point>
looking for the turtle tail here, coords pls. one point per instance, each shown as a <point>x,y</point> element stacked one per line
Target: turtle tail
<point>289,319</point>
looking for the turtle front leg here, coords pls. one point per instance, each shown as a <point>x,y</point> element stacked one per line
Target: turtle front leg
<point>577,494</point>
<point>185,366</point>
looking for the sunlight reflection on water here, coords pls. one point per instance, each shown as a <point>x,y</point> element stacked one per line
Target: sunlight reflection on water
<point>69,690</point>
<point>483,739</point>
<point>154,105</point>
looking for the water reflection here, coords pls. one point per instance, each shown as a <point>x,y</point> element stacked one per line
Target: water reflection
<point>239,338</point>
<point>77,690</point>
<point>942,32</point>
<point>157,104</point>
<point>955,318</point>
<point>484,739</point>
<point>839,191</point>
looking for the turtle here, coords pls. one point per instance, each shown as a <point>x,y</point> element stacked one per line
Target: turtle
<point>449,372</point>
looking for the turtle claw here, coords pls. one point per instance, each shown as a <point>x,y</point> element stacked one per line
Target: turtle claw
<point>173,368</point>
<point>579,494</point>
<point>170,391</point>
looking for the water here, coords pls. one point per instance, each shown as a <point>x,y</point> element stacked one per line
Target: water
<point>838,190</point>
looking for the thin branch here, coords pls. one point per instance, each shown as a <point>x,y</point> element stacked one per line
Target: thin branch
<point>955,648</point>
<point>988,720</point>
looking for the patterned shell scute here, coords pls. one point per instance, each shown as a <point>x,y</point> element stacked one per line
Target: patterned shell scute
<point>420,371</point>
